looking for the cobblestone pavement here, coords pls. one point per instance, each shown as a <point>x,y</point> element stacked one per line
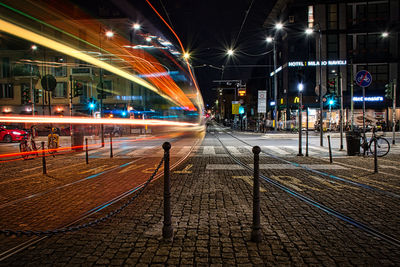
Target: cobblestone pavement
<point>212,217</point>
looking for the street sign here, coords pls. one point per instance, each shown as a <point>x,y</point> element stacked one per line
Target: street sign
<point>262,101</point>
<point>363,78</point>
<point>48,82</point>
<point>323,89</point>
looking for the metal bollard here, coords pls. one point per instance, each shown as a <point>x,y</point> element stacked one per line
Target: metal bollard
<point>256,231</point>
<point>307,133</point>
<point>44,159</point>
<point>375,157</point>
<point>87,153</point>
<point>111,148</point>
<point>330,149</point>
<point>167,230</point>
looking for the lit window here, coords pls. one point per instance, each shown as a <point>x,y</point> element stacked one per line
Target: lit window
<point>310,17</point>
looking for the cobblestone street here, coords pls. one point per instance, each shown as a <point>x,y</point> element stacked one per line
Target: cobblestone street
<point>212,218</point>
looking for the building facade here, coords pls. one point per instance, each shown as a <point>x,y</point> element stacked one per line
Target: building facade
<point>344,38</point>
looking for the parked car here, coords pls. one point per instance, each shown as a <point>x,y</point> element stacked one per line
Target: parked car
<point>11,134</point>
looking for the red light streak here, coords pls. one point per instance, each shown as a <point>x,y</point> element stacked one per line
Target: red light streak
<point>85,120</point>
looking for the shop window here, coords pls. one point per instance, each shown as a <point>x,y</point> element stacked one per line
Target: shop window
<point>5,67</point>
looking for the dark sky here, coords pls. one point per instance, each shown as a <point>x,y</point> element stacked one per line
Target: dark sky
<point>208,27</point>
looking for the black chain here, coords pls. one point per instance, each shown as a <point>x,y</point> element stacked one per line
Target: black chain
<point>19,233</point>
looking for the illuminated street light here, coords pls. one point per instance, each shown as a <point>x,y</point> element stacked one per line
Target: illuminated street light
<point>385,34</point>
<point>269,39</point>
<point>309,31</point>
<point>230,52</point>
<point>109,34</point>
<point>186,55</point>
<point>148,39</point>
<point>136,26</point>
<point>33,47</point>
<point>300,87</point>
<point>278,26</point>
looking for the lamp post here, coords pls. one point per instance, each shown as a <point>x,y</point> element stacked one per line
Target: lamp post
<point>33,97</point>
<point>300,87</point>
<point>273,41</point>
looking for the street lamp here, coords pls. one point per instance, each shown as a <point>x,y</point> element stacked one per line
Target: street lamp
<point>230,52</point>
<point>109,34</point>
<point>186,55</point>
<point>300,87</point>
<point>385,34</point>
<point>136,26</point>
<point>321,105</point>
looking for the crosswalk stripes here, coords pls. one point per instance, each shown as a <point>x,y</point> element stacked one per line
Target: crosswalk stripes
<point>275,149</point>
<point>233,150</point>
<point>209,150</point>
<point>140,151</point>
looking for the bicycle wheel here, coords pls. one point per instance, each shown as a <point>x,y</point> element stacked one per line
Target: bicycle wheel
<point>52,147</point>
<point>23,148</point>
<point>382,147</point>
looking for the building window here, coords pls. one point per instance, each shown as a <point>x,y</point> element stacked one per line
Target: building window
<point>378,12</point>
<point>6,90</point>
<point>60,91</point>
<point>310,17</point>
<point>332,46</point>
<point>5,67</point>
<point>332,16</point>
<point>61,69</point>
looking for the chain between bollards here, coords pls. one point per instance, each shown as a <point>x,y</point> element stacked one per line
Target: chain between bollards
<point>375,157</point>
<point>256,229</point>
<point>330,149</point>
<point>87,153</point>
<point>111,146</point>
<point>44,159</point>
<point>167,231</point>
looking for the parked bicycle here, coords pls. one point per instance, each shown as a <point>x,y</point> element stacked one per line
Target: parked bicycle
<point>28,144</point>
<point>382,144</point>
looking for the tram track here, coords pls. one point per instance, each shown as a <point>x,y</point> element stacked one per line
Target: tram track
<point>339,215</point>
<point>115,200</point>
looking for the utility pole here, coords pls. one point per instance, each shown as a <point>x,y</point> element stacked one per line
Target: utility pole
<point>341,110</point>
<point>352,94</point>
<point>275,88</point>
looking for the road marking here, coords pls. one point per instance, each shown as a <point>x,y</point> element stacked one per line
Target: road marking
<point>282,166</point>
<point>209,150</point>
<point>131,167</point>
<point>140,151</point>
<point>98,169</point>
<point>185,170</point>
<point>151,170</point>
<point>292,182</point>
<point>183,150</point>
<point>276,149</point>
<point>249,180</point>
<point>233,150</point>
<point>31,169</point>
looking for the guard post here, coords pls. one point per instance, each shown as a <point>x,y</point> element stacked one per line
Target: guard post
<point>87,153</point>
<point>330,149</point>
<point>44,159</point>
<point>111,147</point>
<point>167,230</point>
<point>256,229</point>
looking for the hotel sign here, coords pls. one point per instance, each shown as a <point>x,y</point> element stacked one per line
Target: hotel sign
<point>317,63</point>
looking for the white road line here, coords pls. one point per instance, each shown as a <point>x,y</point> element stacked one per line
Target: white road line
<point>140,151</point>
<point>209,150</point>
<point>276,149</point>
<point>233,150</point>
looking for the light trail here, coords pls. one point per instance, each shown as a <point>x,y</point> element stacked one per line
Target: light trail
<point>85,120</point>
<point>44,41</point>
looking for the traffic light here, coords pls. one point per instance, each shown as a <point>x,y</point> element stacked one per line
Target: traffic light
<point>389,90</point>
<point>78,89</point>
<point>242,91</point>
<point>332,85</point>
<point>38,95</point>
<point>25,95</point>
<point>92,103</point>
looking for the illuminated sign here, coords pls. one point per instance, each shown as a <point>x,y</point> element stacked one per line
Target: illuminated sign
<point>272,103</point>
<point>296,99</point>
<point>277,70</point>
<point>317,63</point>
<point>242,92</point>
<point>368,98</point>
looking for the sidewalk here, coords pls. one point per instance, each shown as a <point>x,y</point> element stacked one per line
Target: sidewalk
<point>212,218</point>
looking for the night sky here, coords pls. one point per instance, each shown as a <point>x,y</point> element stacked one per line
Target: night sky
<point>207,28</point>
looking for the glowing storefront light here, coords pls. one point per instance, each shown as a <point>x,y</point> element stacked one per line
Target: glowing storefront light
<point>368,98</point>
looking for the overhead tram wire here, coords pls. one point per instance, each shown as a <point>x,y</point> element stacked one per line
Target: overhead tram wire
<point>243,22</point>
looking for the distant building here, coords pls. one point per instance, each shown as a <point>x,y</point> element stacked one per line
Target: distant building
<point>353,39</point>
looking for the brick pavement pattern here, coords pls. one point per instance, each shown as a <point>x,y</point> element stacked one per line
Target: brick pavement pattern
<point>212,217</point>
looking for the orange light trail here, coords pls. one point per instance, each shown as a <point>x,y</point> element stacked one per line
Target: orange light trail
<point>85,120</point>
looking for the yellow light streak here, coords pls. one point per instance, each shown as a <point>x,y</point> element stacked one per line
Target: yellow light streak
<point>44,41</point>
